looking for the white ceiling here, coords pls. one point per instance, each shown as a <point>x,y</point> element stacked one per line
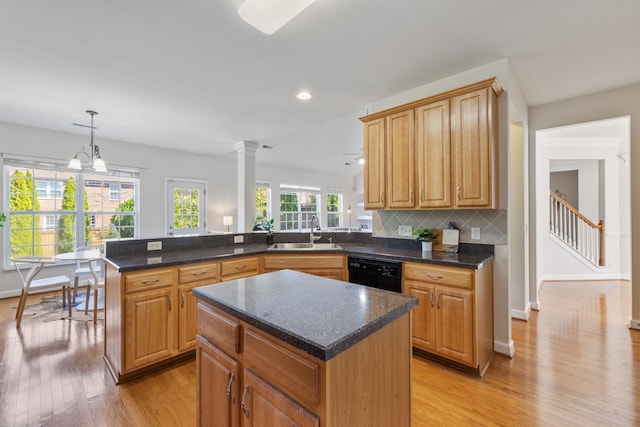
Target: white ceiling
<point>192,75</point>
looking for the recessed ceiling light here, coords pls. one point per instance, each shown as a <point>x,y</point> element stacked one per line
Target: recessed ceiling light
<point>303,95</point>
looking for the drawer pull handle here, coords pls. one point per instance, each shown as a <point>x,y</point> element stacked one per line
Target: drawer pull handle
<point>150,281</point>
<point>182,299</point>
<point>241,267</point>
<point>411,196</point>
<point>198,273</point>
<point>170,302</point>
<point>431,298</point>
<point>243,402</point>
<point>231,378</point>
<point>438,301</point>
<point>422,195</point>
<point>382,197</point>
<point>434,276</point>
<point>458,193</point>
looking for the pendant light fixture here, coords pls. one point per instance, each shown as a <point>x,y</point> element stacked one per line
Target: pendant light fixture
<point>93,156</point>
<point>269,16</point>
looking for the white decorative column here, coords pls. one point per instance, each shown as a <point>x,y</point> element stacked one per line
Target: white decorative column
<point>246,184</point>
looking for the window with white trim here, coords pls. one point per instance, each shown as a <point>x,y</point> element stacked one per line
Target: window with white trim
<point>334,209</point>
<point>297,206</point>
<point>53,210</point>
<point>262,202</point>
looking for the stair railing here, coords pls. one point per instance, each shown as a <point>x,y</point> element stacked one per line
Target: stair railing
<point>577,231</point>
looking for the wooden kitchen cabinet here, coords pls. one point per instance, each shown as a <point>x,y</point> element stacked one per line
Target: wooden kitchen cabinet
<point>217,386</point>
<point>374,166</point>
<point>433,155</point>
<point>188,278</point>
<point>150,317</point>
<point>454,318</point>
<point>237,268</point>
<point>279,385</point>
<point>149,302</point>
<point>400,147</point>
<point>441,151</point>
<point>333,266</point>
<point>474,150</point>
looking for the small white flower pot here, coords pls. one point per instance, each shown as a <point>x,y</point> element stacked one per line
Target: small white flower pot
<point>427,246</point>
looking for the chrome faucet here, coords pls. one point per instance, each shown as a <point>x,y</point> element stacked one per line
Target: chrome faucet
<point>312,237</point>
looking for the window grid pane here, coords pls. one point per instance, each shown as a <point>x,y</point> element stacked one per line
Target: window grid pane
<point>45,206</point>
<point>296,210</point>
<point>334,211</point>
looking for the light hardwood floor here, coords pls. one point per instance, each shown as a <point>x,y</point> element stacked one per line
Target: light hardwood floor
<point>576,364</point>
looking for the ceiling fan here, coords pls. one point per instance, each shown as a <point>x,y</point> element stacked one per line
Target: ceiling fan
<point>359,157</point>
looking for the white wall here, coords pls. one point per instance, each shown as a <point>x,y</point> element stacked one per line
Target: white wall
<point>277,176</point>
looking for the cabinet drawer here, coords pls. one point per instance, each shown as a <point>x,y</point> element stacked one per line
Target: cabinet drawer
<point>198,272</point>
<point>280,262</point>
<point>296,376</point>
<point>219,329</point>
<point>148,280</point>
<point>240,267</point>
<point>438,274</point>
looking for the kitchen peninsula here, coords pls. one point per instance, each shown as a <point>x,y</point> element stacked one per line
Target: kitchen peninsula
<point>298,349</point>
<point>150,317</point>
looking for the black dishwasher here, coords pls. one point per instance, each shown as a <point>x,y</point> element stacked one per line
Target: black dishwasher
<point>377,273</point>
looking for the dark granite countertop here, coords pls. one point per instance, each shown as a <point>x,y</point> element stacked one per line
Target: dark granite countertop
<point>470,260</point>
<point>320,316</point>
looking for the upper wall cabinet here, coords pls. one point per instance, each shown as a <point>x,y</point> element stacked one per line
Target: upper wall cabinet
<point>435,153</point>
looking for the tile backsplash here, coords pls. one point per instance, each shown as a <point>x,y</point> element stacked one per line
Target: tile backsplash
<point>492,223</point>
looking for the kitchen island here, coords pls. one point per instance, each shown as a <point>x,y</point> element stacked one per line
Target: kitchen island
<point>304,350</point>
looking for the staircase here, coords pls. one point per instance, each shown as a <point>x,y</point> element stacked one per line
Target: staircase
<point>576,232</point>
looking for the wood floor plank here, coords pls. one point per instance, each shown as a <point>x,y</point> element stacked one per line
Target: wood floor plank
<point>576,364</point>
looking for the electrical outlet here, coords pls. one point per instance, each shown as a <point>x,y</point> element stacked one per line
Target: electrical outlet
<point>238,239</point>
<point>475,233</point>
<point>154,246</point>
<point>405,230</point>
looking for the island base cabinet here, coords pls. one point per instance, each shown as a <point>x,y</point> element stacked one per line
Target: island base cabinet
<point>264,405</point>
<point>217,387</point>
<point>366,385</point>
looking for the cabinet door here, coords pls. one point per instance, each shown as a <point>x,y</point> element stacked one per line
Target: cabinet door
<point>454,324</point>
<point>374,164</point>
<point>217,388</point>
<point>400,160</point>
<point>472,149</point>
<point>187,328</point>
<point>265,405</point>
<point>149,329</point>
<point>423,322</point>
<point>433,153</point>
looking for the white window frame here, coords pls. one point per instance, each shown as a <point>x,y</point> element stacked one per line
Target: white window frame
<point>286,188</point>
<point>171,184</point>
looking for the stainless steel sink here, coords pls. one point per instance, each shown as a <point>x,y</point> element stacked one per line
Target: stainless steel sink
<point>304,247</point>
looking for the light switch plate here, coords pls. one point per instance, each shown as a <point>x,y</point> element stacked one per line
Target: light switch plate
<point>475,233</point>
<point>238,239</point>
<point>405,230</point>
<point>154,246</point>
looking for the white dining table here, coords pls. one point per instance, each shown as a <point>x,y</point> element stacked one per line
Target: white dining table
<point>83,256</point>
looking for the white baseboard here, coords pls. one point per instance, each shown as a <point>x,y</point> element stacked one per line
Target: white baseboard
<point>575,277</point>
<point>506,349</point>
<point>10,294</point>
<point>520,314</point>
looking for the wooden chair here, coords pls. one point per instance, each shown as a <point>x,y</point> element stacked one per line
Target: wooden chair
<point>30,285</point>
<point>95,282</point>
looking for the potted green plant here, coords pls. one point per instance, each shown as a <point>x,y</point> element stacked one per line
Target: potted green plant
<point>264,224</point>
<point>426,236</point>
